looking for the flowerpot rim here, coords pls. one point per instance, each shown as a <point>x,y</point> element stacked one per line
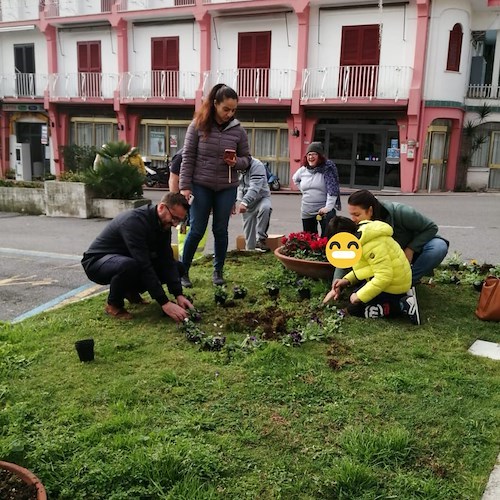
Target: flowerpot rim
<point>311,268</point>
<point>27,476</point>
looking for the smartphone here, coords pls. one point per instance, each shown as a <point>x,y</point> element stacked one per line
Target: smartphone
<point>229,154</point>
<point>190,199</point>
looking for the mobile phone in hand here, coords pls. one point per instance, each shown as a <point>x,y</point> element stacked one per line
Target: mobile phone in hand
<point>229,154</point>
<point>191,199</point>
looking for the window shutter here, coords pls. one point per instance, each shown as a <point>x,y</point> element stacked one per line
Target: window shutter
<point>454,48</point>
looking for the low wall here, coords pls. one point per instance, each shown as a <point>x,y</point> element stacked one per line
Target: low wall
<point>109,209</point>
<point>23,200</point>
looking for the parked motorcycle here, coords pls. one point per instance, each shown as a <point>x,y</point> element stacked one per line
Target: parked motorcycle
<point>272,179</point>
<point>156,176</point>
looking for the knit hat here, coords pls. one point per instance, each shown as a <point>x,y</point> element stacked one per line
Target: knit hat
<point>316,147</point>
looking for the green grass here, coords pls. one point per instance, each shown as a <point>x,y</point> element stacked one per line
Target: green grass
<point>380,409</point>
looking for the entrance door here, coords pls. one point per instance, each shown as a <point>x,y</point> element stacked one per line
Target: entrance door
<point>435,159</point>
<point>165,67</point>
<point>254,61</point>
<point>24,64</point>
<point>31,133</point>
<point>89,69</point>
<point>359,155</point>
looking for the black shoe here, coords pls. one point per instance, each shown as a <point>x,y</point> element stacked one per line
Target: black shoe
<point>409,306</point>
<point>261,246</point>
<point>217,278</point>
<point>186,282</point>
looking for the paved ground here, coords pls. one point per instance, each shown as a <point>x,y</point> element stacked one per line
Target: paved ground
<point>40,255</point>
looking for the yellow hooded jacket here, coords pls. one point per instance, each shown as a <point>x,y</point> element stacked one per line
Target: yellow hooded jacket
<point>383,263</point>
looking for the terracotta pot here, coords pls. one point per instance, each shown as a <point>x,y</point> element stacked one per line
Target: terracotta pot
<point>27,476</point>
<point>310,268</point>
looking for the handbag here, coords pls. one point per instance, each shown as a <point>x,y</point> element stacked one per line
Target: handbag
<point>488,307</point>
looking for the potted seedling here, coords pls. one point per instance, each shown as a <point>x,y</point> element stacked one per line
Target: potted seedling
<point>304,288</point>
<point>192,332</point>
<point>239,292</point>
<point>273,288</point>
<point>220,295</point>
<point>194,315</point>
<point>478,285</point>
<point>213,342</point>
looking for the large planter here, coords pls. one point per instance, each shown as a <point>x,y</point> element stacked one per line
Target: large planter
<point>68,199</point>
<point>110,208</point>
<point>27,477</point>
<point>23,200</point>
<point>310,268</point>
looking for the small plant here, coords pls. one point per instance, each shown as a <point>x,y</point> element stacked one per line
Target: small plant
<point>239,292</point>
<point>220,295</point>
<point>10,174</point>
<point>213,342</point>
<point>194,315</point>
<point>304,245</point>
<point>304,286</point>
<point>273,288</point>
<point>192,332</point>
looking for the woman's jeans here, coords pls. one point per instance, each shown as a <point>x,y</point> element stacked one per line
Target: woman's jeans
<point>432,254</point>
<point>311,224</point>
<point>220,203</point>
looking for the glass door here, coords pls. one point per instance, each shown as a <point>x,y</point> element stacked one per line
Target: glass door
<point>368,171</point>
<point>435,159</point>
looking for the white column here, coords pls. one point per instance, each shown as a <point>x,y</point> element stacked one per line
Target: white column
<point>496,68</point>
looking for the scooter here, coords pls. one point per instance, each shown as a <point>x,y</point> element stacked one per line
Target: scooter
<point>272,179</point>
<point>156,176</point>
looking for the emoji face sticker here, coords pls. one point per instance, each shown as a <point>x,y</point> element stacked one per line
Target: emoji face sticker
<point>343,250</point>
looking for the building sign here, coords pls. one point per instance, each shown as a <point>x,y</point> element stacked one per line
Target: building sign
<point>45,134</point>
<point>23,107</point>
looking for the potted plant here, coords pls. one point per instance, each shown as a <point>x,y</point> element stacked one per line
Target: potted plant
<point>15,479</point>
<point>239,292</point>
<point>304,288</point>
<point>273,288</point>
<point>220,295</point>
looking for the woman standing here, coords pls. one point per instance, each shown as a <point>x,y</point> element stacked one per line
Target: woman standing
<point>318,181</point>
<point>215,146</point>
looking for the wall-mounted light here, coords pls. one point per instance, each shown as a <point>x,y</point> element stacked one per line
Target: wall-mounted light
<point>120,126</point>
<point>295,132</point>
<point>53,124</point>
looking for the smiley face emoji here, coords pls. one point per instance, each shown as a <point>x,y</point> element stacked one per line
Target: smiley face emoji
<point>343,250</point>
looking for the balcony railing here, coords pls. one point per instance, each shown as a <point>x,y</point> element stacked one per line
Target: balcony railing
<point>22,85</point>
<point>483,92</point>
<point>67,8</point>
<point>254,83</point>
<point>129,5</point>
<point>19,10</point>
<point>159,84</point>
<point>357,82</point>
<point>82,85</point>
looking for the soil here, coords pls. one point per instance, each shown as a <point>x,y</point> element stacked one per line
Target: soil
<point>271,320</point>
<point>13,488</point>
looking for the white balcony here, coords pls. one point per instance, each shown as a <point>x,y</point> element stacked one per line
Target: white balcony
<point>67,8</point>
<point>357,82</point>
<point>159,85</point>
<point>483,92</point>
<point>19,10</point>
<point>130,5</point>
<point>82,85</point>
<point>23,85</point>
<point>253,83</point>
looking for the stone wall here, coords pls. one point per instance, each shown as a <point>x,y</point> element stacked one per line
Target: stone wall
<point>23,200</point>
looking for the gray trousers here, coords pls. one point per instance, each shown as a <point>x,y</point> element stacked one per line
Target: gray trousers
<point>256,222</point>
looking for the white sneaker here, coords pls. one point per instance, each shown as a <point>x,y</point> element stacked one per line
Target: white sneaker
<point>409,306</point>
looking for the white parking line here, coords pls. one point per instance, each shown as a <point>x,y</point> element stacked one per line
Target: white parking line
<point>35,253</point>
<point>459,227</point>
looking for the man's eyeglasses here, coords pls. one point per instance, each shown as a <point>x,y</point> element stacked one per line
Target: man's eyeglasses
<point>175,219</point>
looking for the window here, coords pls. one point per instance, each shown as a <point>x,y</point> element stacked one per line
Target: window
<point>359,60</point>
<point>454,48</point>
<point>165,67</point>
<point>92,132</point>
<point>254,61</point>
<point>89,69</point>
<point>24,64</point>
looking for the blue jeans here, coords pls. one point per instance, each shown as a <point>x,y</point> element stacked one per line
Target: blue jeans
<point>432,254</point>
<point>220,203</point>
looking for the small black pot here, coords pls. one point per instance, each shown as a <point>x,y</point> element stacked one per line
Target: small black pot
<point>304,293</point>
<point>85,349</point>
<point>273,292</point>
<point>478,285</point>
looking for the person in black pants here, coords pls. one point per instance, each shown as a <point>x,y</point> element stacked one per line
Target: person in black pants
<point>133,254</point>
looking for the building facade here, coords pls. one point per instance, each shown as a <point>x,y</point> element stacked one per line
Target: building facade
<point>388,86</point>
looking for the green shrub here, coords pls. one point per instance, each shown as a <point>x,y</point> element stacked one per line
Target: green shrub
<point>78,158</point>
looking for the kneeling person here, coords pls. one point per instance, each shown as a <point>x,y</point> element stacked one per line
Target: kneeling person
<point>254,197</point>
<point>133,254</point>
<point>383,274</point>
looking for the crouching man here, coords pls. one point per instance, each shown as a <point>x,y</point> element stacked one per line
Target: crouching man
<point>133,254</point>
<point>254,198</point>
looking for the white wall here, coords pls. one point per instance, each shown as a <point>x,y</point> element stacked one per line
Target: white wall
<point>440,84</point>
<point>7,42</point>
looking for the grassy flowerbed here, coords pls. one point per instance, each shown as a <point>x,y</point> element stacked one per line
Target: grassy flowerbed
<point>296,405</point>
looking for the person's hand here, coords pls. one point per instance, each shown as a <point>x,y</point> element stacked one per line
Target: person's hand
<point>339,283</point>
<point>175,311</point>
<point>322,211</point>
<point>183,302</point>
<point>409,254</point>
<point>186,193</point>
<point>354,299</point>
<point>331,295</point>
<point>231,161</point>
<point>242,208</point>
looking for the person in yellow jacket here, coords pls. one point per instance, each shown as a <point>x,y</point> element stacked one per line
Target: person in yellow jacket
<point>382,276</point>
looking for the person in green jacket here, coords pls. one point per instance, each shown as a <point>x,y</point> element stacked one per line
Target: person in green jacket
<point>382,277</point>
<point>415,233</point>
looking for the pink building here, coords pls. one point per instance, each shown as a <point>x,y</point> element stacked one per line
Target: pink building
<point>386,86</point>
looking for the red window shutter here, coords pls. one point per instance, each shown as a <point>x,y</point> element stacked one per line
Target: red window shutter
<point>245,50</point>
<point>165,54</point>
<point>95,57</point>
<point>454,48</point>
<point>156,53</point>
<point>360,45</point>
<point>83,57</point>
<point>172,53</point>
<point>254,50</point>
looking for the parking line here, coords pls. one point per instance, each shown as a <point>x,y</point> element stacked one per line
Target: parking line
<point>35,253</point>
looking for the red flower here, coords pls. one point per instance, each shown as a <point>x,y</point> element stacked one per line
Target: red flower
<point>304,245</point>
